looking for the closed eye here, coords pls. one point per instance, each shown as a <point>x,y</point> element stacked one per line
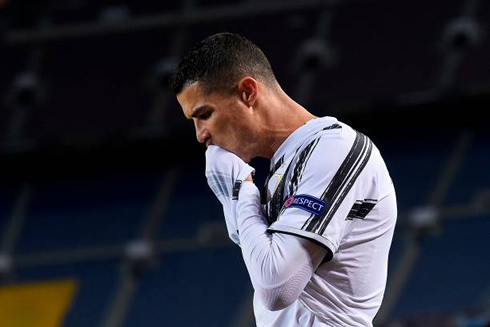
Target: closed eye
<point>202,113</point>
<point>205,115</point>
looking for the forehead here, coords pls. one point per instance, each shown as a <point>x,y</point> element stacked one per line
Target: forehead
<point>193,97</point>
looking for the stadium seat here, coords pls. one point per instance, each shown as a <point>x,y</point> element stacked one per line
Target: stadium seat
<point>451,272</point>
<point>88,212</point>
<point>197,288</point>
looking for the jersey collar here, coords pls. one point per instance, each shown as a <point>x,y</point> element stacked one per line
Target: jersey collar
<point>298,137</point>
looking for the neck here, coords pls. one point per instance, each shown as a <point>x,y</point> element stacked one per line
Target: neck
<point>280,119</point>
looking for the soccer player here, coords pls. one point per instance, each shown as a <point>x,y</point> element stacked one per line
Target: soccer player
<point>316,240</point>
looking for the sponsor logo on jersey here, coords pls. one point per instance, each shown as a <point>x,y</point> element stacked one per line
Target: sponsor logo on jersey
<point>306,202</point>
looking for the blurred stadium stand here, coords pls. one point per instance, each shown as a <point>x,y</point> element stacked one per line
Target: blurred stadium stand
<point>102,180</point>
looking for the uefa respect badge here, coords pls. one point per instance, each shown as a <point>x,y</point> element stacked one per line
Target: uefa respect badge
<point>306,202</point>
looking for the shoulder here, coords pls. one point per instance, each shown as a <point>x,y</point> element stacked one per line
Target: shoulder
<point>335,155</point>
<point>331,142</point>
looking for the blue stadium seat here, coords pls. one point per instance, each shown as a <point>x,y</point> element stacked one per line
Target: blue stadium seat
<point>474,175</point>
<point>8,197</point>
<point>83,213</point>
<point>451,272</point>
<point>200,288</point>
<point>415,163</point>
<point>191,204</point>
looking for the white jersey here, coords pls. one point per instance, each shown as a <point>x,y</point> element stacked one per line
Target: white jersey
<point>328,183</point>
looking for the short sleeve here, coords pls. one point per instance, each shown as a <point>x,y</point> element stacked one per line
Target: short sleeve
<point>330,185</point>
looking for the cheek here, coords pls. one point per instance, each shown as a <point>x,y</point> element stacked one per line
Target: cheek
<point>221,131</point>
<point>230,129</point>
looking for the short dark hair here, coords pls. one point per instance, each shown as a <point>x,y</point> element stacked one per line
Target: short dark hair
<point>219,61</point>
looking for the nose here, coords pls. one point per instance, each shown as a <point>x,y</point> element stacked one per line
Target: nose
<point>202,133</point>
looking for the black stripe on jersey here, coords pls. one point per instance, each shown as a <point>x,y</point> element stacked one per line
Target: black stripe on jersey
<point>333,126</point>
<point>366,208</point>
<point>275,204</point>
<point>330,127</point>
<point>323,224</point>
<point>354,210</point>
<point>304,156</point>
<point>338,181</point>
<point>263,192</point>
<point>276,166</point>
<point>361,209</point>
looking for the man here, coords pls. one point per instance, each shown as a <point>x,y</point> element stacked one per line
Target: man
<point>316,245</point>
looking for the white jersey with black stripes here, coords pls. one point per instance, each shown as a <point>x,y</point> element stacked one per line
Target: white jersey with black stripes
<point>329,184</point>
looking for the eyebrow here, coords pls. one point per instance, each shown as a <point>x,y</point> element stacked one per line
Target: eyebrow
<point>198,111</point>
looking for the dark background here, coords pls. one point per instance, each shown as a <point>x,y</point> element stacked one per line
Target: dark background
<point>102,179</point>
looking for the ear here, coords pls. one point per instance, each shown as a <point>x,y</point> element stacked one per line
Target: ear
<point>248,89</point>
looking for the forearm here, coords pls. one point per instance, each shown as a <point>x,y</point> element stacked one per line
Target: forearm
<point>279,265</point>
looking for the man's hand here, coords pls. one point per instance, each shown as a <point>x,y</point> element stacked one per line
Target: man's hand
<point>225,173</point>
